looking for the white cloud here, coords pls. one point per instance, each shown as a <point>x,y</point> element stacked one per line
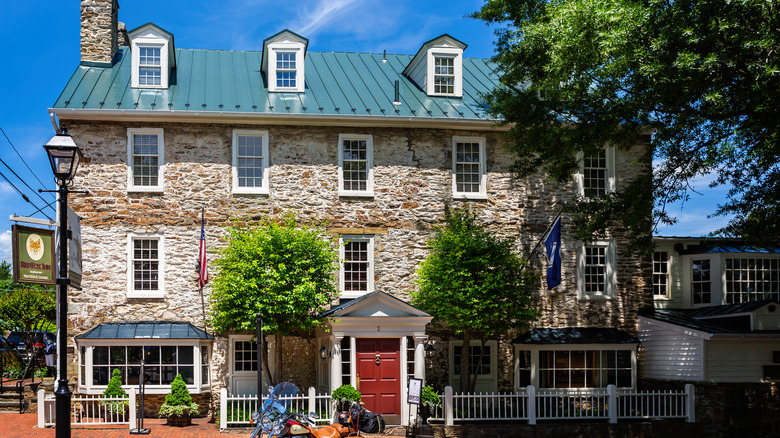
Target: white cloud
<point>5,246</point>
<point>322,15</point>
<point>5,188</point>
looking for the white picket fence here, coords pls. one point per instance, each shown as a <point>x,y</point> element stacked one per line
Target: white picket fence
<point>531,405</point>
<point>236,410</point>
<point>90,410</point>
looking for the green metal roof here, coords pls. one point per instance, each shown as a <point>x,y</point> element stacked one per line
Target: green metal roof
<point>145,330</point>
<point>337,84</point>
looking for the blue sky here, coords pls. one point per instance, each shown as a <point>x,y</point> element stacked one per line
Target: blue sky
<point>40,46</point>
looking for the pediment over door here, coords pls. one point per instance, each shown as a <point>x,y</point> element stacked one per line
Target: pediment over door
<point>377,314</point>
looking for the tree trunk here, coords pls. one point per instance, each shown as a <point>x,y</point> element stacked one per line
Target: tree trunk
<point>464,362</point>
<point>278,357</point>
<point>266,368</point>
<point>479,365</point>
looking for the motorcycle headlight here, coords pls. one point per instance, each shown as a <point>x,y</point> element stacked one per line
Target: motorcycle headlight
<point>255,417</point>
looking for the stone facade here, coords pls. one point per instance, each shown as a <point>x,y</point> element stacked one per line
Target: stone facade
<point>412,180</point>
<point>99,30</point>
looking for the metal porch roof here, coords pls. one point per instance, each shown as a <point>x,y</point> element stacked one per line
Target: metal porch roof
<point>224,82</point>
<point>145,330</point>
<point>576,335</point>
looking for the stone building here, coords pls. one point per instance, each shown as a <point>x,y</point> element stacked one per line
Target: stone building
<point>377,145</point>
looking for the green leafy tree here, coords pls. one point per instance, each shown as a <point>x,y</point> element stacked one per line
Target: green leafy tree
<point>281,270</point>
<point>27,308</point>
<point>5,271</point>
<point>702,75</point>
<point>474,282</point>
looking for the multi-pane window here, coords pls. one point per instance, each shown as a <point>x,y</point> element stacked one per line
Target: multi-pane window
<point>346,361</point>
<point>146,265</point>
<point>410,355</point>
<point>250,162</point>
<point>286,70</point>
<point>444,75</point>
<point>584,368</point>
<point>661,274</point>
<point>355,165</point>
<point>244,356</point>
<point>356,269</point>
<point>701,281</point>
<point>595,270</point>
<point>204,364</point>
<point>752,279</point>
<point>476,366</point>
<point>595,174</point>
<point>149,66</point>
<point>145,154</point>
<point>469,166</point>
<point>524,368</point>
<point>161,364</point>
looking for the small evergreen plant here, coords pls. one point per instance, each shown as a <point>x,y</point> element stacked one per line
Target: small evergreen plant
<point>178,402</point>
<point>114,390</point>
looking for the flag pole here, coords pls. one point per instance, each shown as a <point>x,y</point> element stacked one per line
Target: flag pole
<point>201,266</point>
<point>546,232</point>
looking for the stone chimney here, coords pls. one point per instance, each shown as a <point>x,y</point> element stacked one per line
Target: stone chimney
<point>99,29</point>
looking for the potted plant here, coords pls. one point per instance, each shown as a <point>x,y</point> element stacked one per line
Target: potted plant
<point>115,390</point>
<point>429,400</point>
<point>178,407</point>
<point>344,396</point>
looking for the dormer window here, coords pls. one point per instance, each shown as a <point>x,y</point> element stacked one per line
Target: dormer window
<point>152,55</point>
<point>437,67</point>
<point>283,62</point>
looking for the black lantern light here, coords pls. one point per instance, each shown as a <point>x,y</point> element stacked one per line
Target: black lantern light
<point>429,351</point>
<point>64,156</point>
<point>323,352</point>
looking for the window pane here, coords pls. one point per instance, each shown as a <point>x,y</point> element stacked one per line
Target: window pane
<point>100,355</point>
<point>100,375</point>
<point>118,356</point>
<point>595,174</point>
<point>468,173</point>
<point>356,265</point>
<point>186,356</point>
<point>152,355</point>
<point>187,374</point>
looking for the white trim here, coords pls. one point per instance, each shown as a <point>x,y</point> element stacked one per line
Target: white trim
<point>159,188</point>
<point>369,192</point>
<point>610,183</point>
<point>440,52</point>
<point>160,293</point>
<point>264,189</point>
<point>668,295</point>
<point>482,194</point>
<point>286,46</point>
<point>485,382</point>
<point>343,239</point>
<point>154,39</point>
<point>610,287</point>
<point>716,279</point>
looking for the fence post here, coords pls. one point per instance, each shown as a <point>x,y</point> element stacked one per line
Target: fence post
<point>448,407</point>
<point>223,407</point>
<point>132,413</point>
<point>312,400</point>
<point>612,405</point>
<point>531,407</point>
<point>41,408</point>
<point>690,402</point>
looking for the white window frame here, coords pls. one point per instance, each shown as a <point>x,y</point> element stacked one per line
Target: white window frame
<point>131,292</point>
<point>264,189</point>
<point>370,274</point>
<point>668,276</point>
<point>716,287</point>
<point>611,282</point>
<point>369,165</point>
<point>610,182</point>
<point>131,186</point>
<point>441,52</point>
<point>485,382</point>
<point>752,278</point>
<point>197,387</point>
<point>482,194</point>
<point>294,47</point>
<point>149,40</point>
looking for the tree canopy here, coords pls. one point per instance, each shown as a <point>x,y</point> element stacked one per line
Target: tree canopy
<point>282,270</point>
<point>703,76</point>
<point>27,307</point>
<point>473,281</point>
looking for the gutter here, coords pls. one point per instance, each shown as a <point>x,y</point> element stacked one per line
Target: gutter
<point>257,118</point>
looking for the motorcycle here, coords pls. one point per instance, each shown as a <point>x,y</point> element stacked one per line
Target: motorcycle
<point>278,420</point>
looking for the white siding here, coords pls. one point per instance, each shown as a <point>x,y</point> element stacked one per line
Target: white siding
<point>667,351</point>
<point>419,74</point>
<point>739,360</point>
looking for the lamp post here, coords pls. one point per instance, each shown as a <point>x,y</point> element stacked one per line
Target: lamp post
<point>64,157</point>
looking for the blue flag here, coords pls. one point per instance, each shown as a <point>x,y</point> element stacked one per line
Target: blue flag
<point>553,245</point>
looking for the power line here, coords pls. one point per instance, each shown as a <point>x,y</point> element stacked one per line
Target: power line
<point>23,195</point>
<point>22,158</point>
<point>25,183</point>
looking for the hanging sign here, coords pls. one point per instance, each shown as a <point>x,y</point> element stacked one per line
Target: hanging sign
<point>74,249</point>
<point>415,390</point>
<point>33,255</point>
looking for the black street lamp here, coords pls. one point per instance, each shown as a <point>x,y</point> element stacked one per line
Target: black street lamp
<point>64,157</point>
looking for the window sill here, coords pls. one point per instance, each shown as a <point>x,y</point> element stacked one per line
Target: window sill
<point>159,190</point>
<point>596,297</point>
<point>661,298</point>
<point>264,192</point>
<point>478,196</point>
<point>137,295</point>
<point>346,194</point>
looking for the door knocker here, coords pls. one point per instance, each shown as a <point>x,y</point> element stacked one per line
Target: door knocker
<point>377,360</point>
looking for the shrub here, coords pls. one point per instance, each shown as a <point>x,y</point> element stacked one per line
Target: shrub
<point>429,397</point>
<point>178,402</point>
<point>114,390</point>
<point>346,393</point>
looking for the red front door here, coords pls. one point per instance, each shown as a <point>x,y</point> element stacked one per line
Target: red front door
<point>379,375</point>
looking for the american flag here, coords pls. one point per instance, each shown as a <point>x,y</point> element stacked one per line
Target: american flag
<point>203,270</point>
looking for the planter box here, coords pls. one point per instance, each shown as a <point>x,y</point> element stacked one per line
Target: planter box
<point>176,421</point>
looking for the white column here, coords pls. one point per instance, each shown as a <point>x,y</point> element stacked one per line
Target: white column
<point>353,362</point>
<point>419,358</point>
<point>404,379</point>
<point>335,362</point>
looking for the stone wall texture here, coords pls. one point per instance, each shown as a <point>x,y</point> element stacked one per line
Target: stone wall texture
<point>99,28</point>
<point>412,180</point>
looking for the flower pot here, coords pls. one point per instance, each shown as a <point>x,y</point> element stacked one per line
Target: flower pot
<point>425,413</point>
<point>179,421</point>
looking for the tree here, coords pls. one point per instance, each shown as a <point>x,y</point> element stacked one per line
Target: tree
<point>5,271</point>
<point>278,269</point>
<point>473,281</point>
<point>702,75</point>
<point>27,308</point>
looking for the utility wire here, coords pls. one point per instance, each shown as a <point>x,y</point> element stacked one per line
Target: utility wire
<point>23,195</point>
<point>25,183</point>
<point>22,158</point>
